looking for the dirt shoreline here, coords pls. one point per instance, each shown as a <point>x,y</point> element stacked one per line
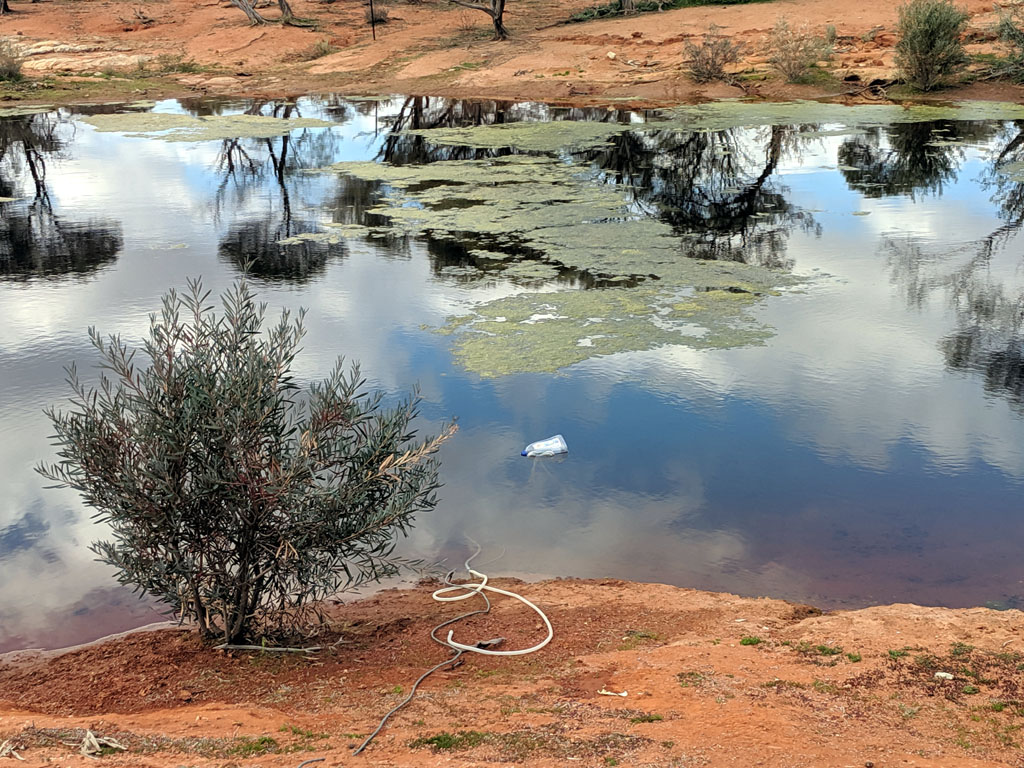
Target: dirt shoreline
<point>850,688</point>
<point>110,50</point>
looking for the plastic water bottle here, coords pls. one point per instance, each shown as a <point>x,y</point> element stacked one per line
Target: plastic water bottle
<point>550,447</point>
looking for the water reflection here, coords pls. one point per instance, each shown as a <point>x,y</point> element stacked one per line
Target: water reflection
<point>909,158</point>
<point>34,241</point>
<point>865,454</point>
<point>421,112</point>
<point>988,308</point>
<point>718,189</point>
<point>265,174</point>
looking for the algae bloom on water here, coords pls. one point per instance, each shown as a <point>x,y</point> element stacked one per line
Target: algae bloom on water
<point>603,277</point>
<point>177,127</point>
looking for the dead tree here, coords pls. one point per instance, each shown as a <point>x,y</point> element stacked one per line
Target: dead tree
<point>493,8</point>
<point>248,7</point>
<point>4,7</point>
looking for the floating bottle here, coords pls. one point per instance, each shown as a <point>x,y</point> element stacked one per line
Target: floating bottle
<point>550,447</point>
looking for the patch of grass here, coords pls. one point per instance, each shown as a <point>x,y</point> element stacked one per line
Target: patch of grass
<point>397,689</point>
<point>926,661</point>
<point>250,747</point>
<point>168,64</point>
<point>646,718</point>
<point>750,640</point>
<point>823,686</point>
<point>637,637</point>
<point>450,742</point>
<point>301,732</point>
<point>779,685</point>
<point>961,649</point>
<point>897,653</point>
<point>694,679</point>
<point>970,689</point>
<point>853,657</point>
<point>1009,658</point>
<point>828,650</point>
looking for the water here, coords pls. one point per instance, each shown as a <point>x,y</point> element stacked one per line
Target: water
<point>870,451</point>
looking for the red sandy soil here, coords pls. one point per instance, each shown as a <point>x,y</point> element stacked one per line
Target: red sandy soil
<point>435,48</point>
<point>696,695</point>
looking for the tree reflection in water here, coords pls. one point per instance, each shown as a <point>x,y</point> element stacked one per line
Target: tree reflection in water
<point>34,240</point>
<point>988,339</point>
<point>909,158</point>
<point>266,173</point>
<point>717,189</point>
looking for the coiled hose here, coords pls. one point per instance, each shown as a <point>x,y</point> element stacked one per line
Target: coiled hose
<point>466,591</point>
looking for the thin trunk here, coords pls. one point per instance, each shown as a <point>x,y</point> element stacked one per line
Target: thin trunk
<point>496,11</point>
<point>246,7</point>
<point>497,14</point>
<point>4,7</point>
<point>286,11</point>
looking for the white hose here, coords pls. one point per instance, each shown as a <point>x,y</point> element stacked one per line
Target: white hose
<point>472,590</point>
<point>442,596</point>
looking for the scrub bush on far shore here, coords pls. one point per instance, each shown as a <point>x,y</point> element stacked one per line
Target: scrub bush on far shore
<point>929,53</point>
<point>795,51</point>
<point>231,494</point>
<point>707,60</point>
<point>1011,33</point>
<point>10,62</point>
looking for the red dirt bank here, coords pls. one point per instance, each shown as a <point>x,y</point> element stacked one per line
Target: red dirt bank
<point>845,689</point>
<point>434,48</point>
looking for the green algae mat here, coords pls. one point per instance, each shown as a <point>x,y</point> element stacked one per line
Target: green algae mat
<point>596,275</point>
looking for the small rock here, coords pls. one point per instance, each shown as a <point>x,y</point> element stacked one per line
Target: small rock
<point>943,676</point>
<point>611,55</point>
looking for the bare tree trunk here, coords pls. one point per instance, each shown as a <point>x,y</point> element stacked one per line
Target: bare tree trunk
<point>497,12</point>
<point>246,7</point>
<point>286,11</point>
<point>4,7</point>
<point>493,8</point>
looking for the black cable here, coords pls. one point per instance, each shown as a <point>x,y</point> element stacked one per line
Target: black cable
<point>436,639</point>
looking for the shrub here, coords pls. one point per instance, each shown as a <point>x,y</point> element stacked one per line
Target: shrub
<point>230,496</point>
<point>379,14</point>
<point>707,61</point>
<point>1011,33</point>
<point>929,51</point>
<point>10,62</point>
<point>794,52</point>
<point>317,50</point>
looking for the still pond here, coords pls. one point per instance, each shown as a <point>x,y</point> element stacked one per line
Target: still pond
<point>783,342</point>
